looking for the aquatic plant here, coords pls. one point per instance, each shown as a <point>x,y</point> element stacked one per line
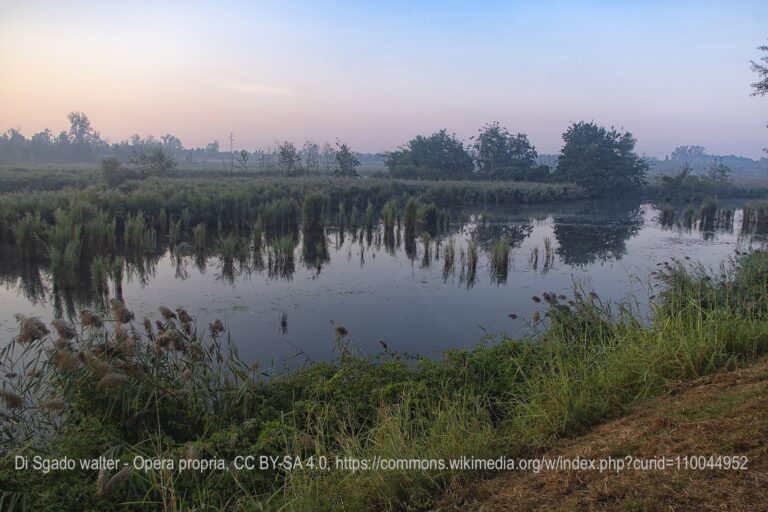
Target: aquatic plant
<point>99,273</point>
<point>28,232</point>
<point>198,236</point>
<point>411,211</point>
<point>183,393</point>
<point>667,216</point>
<point>499,258</point>
<point>449,258</point>
<point>313,211</point>
<point>388,213</point>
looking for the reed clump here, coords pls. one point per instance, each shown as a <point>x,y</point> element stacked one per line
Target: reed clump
<point>157,393</point>
<point>499,259</point>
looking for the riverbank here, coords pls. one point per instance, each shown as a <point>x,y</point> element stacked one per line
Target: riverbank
<point>172,390</point>
<point>710,426</point>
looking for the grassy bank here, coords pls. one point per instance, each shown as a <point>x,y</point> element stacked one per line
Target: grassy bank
<point>167,388</point>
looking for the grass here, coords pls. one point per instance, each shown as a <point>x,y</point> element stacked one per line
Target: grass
<point>182,390</point>
<point>499,259</point>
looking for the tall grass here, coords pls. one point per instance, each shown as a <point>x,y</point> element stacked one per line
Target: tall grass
<point>388,214</point>
<point>181,392</point>
<point>499,258</point>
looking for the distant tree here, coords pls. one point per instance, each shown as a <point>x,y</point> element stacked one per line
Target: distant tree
<point>153,161</point>
<point>499,154</point>
<point>688,153</point>
<point>327,158</point>
<point>242,160</point>
<point>311,154</point>
<point>439,156</point>
<point>719,173</point>
<point>289,157</point>
<point>601,160</point>
<point>172,144</point>
<point>80,130</point>
<point>346,161</point>
<point>212,148</point>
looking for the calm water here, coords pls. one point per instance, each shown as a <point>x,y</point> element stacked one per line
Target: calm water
<point>394,291</point>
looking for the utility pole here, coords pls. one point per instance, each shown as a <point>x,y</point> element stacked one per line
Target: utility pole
<point>231,152</point>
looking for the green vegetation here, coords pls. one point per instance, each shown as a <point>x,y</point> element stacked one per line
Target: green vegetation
<point>499,258</point>
<point>501,155</point>
<point>439,156</point>
<point>601,160</point>
<point>180,392</point>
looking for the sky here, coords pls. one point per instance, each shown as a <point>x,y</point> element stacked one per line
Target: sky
<point>375,74</point>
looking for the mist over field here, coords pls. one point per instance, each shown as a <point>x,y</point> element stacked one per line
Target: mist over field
<point>354,256</point>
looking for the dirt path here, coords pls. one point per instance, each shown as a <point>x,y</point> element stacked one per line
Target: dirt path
<point>725,414</point>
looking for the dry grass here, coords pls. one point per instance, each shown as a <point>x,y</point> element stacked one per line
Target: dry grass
<point>722,414</point>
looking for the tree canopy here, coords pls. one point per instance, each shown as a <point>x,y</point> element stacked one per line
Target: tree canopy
<point>439,156</point>
<point>501,155</point>
<point>346,161</point>
<point>601,160</point>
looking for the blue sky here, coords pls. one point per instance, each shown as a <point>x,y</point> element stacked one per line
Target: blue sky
<point>377,73</point>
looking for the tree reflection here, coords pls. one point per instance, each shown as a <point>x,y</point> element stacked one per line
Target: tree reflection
<point>599,233</point>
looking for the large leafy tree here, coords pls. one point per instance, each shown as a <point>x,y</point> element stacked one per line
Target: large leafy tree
<point>601,160</point>
<point>500,154</point>
<point>439,156</point>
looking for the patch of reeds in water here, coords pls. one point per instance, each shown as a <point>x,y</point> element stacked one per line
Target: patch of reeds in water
<point>499,259</point>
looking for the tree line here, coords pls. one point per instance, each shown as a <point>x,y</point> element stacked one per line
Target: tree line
<point>597,158</point>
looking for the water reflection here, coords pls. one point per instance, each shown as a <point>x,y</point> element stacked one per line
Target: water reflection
<point>421,274</point>
<point>596,234</point>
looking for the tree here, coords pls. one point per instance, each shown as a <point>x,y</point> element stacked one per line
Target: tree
<point>761,86</point>
<point>439,156</point>
<point>242,160</point>
<point>499,154</point>
<point>346,161</point>
<point>719,173</point>
<point>172,144</point>
<point>311,152</point>
<point>327,158</point>
<point>212,148</point>
<point>289,157</point>
<point>80,130</point>
<point>688,154</point>
<point>153,161</point>
<point>601,160</point>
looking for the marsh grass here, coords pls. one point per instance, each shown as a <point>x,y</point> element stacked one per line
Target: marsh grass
<point>178,391</point>
<point>499,259</point>
<point>449,258</point>
<point>388,214</point>
<point>198,236</point>
<point>667,216</point>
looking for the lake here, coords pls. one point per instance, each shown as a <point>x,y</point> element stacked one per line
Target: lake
<point>397,289</point>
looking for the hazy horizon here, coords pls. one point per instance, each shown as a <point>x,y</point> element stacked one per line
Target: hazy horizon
<point>376,75</point>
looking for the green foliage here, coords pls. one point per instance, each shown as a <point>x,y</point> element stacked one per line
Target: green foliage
<point>313,211</point>
<point>439,156</point>
<point>501,155</point>
<point>113,173</point>
<point>27,233</point>
<point>346,161</point>
<point>388,214</point>
<point>184,393</point>
<point>601,160</point>
<point>153,162</point>
<point>499,258</point>
<point>198,235</point>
